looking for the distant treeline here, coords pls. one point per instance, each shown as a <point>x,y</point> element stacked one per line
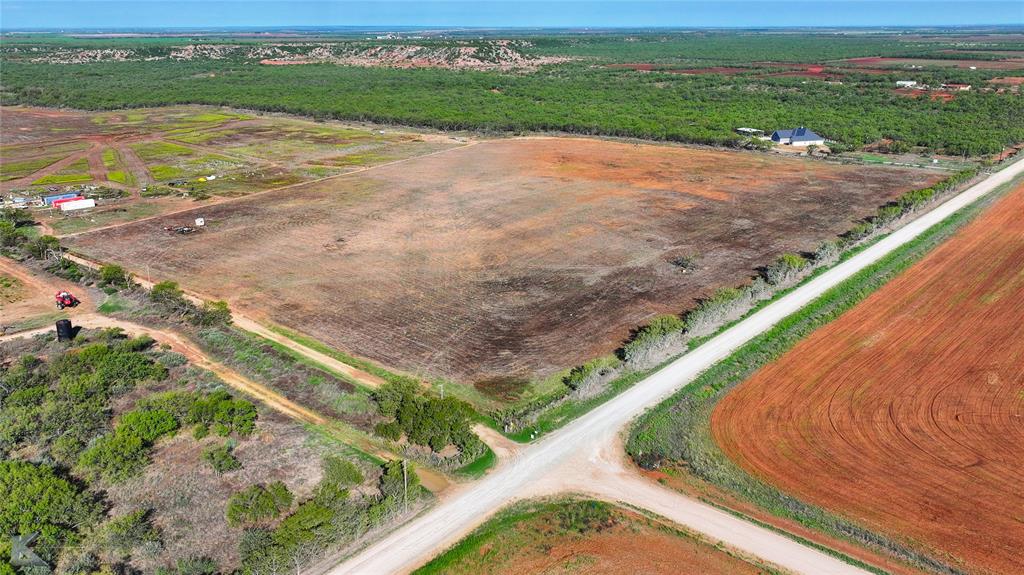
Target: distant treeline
<point>583,96</point>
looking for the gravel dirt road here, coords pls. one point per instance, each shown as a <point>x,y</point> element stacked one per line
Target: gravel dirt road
<point>586,455</point>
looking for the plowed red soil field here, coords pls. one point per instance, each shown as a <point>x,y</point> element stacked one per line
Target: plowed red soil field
<point>906,414</point>
<point>511,258</point>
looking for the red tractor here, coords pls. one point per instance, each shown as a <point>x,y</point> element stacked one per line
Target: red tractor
<point>66,299</point>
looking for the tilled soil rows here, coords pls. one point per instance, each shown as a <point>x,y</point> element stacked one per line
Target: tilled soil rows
<point>907,413</point>
<point>506,258</point>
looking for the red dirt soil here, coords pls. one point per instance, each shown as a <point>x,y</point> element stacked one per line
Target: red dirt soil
<point>631,544</point>
<point>1008,80</point>
<point>505,258</point>
<point>900,63</point>
<point>906,415</point>
<point>285,62</point>
<point>933,95</point>
<point>655,68</point>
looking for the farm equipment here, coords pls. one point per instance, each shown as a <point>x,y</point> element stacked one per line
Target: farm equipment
<point>66,299</point>
<point>180,229</point>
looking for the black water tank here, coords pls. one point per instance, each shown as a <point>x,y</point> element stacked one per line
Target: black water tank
<point>64,330</point>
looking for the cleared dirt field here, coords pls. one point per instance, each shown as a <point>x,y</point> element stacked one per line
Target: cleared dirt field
<point>907,413</point>
<point>584,537</point>
<point>511,258</point>
<point>876,62</point>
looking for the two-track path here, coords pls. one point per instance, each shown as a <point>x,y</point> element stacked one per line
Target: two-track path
<point>585,456</point>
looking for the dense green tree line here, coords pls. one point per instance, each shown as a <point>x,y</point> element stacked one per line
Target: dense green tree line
<point>572,98</point>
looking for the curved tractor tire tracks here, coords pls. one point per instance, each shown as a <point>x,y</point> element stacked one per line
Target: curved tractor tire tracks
<point>582,446</point>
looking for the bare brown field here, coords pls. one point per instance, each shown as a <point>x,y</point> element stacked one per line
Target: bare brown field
<point>504,258</point>
<point>906,415</point>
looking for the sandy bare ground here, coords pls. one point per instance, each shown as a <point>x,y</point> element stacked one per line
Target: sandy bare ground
<point>37,297</point>
<point>586,454</point>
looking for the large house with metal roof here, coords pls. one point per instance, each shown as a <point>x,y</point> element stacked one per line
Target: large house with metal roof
<point>798,137</point>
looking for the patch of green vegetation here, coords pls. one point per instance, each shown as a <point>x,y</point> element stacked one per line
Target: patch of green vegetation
<point>15,170</point>
<point>55,179</point>
<point>61,410</point>
<point>359,159</point>
<point>479,466</point>
<point>334,514</point>
<point>434,422</point>
<point>40,499</point>
<point>190,136</point>
<point>213,117</point>
<point>679,428</point>
<point>11,289</point>
<point>36,322</point>
<point>110,159</point>
<point>160,151</point>
<point>221,459</point>
<point>259,503</point>
<point>164,172</point>
<point>115,169</point>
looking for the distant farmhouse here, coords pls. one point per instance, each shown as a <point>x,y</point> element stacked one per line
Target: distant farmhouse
<point>798,137</point>
<point>906,83</point>
<point>750,132</point>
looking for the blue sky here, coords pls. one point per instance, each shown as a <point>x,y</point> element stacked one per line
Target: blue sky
<point>503,13</point>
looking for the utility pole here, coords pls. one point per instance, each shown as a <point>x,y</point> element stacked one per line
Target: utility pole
<point>405,486</point>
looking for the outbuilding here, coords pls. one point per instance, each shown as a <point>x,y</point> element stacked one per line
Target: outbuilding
<point>797,137</point>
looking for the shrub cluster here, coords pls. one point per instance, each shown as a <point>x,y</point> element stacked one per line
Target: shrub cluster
<point>785,269</point>
<point>60,406</point>
<point>654,331</point>
<point>171,299</point>
<point>429,421</point>
<point>125,452</point>
<point>258,503</point>
<point>221,459</point>
<point>331,517</point>
<point>217,410</point>
<point>37,499</point>
<point>115,275</point>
